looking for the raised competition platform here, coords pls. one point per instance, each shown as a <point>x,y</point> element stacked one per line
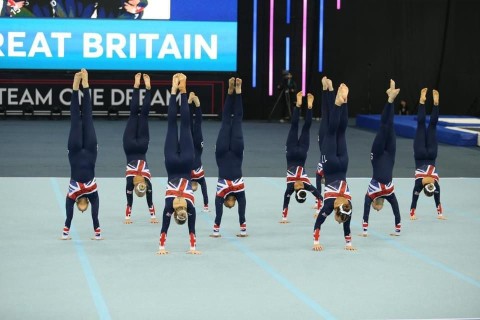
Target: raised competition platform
<point>453,130</point>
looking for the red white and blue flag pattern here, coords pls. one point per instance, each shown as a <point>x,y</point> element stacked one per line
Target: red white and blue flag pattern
<point>338,188</point>
<point>225,187</point>
<point>138,168</point>
<point>377,189</point>
<point>180,188</point>
<point>78,189</point>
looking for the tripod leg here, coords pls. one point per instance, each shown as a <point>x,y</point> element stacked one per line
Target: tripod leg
<point>274,107</point>
<point>289,103</point>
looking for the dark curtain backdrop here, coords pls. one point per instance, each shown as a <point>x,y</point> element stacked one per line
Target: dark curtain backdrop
<point>418,43</point>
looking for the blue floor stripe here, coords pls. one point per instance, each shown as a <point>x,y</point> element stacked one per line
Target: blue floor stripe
<point>95,290</point>
<point>312,304</point>
<point>422,256</point>
<point>407,249</point>
<point>426,258</point>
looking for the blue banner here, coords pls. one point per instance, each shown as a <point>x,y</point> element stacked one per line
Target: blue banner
<point>97,44</point>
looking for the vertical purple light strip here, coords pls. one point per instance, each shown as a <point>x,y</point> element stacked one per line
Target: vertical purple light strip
<point>339,4</point>
<point>320,37</point>
<point>270,52</point>
<point>287,53</point>
<point>254,45</point>
<point>288,11</point>
<point>304,48</point>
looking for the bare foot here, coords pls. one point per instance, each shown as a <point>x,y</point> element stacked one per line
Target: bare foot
<point>127,221</point>
<point>162,252</point>
<point>153,220</point>
<point>238,85</point>
<point>350,248</point>
<point>363,234</point>
<point>310,99</point>
<point>436,97</point>
<point>190,97</point>
<point>423,96</point>
<point>182,85</point>
<point>441,217</point>
<point>413,217</point>
<point>146,79</point>
<point>84,78</point>
<point>317,247</point>
<point>231,85</point>
<point>299,99</point>
<point>196,252</point>
<point>136,83</point>
<point>344,92</point>
<point>76,81</point>
<point>196,101</point>
<point>175,82</point>
<point>329,85</point>
<point>392,92</point>
<point>339,99</point>
<point>324,83</point>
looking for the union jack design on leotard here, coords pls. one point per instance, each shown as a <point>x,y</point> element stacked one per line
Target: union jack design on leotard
<point>426,171</point>
<point>377,189</point>
<point>297,174</point>
<point>225,187</point>
<point>138,168</point>
<point>78,189</point>
<point>338,188</point>
<point>198,173</point>
<point>180,187</point>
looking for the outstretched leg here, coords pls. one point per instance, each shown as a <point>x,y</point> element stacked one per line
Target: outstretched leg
<point>342,151</point>
<point>171,139</point>
<point>391,139</point>
<point>419,147</point>
<point>89,136</point>
<point>143,131</point>
<point>75,138</point>
<point>236,143</point>
<point>292,138</point>
<point>224,134</point>
<point>186,140</point>
<point>130,133</point>
<point>304,140</point>
<point>431,139</point>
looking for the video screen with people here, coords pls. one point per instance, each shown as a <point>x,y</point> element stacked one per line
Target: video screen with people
<point>119,35</point>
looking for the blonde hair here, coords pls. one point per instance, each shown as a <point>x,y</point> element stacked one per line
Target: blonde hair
<point>82,203</point>
<point>140,186</point>
<point>229,201</point>
<point>180,213</point>
<point>194,185</point>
